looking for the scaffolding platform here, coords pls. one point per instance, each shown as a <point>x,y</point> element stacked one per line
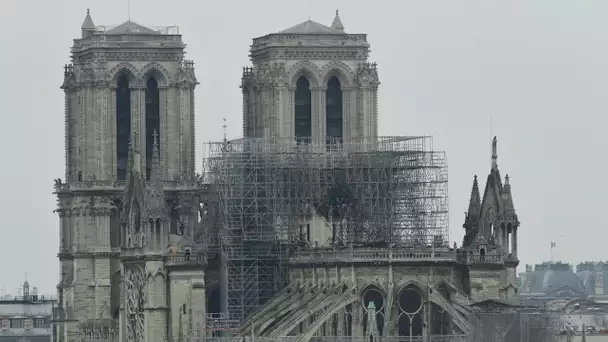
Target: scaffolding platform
<point>390,190</point>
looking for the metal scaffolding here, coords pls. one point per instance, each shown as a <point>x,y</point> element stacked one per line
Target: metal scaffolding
<point>392,190</point>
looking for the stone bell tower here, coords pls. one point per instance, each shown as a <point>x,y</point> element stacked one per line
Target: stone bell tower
<point>127,86</point>
<point>311,82</point>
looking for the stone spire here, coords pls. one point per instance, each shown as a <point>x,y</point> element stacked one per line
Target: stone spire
<point>494,154</point>
<point>337,24</point>
<point>506,192</point>
<point>475,201</point>
<point>472,216</point>
<point>155,171</point>
<point>155,198</point>
<point>372,323</point>
<point>88,26</point>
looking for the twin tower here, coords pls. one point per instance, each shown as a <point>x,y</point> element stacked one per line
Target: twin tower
<point>130,215</point>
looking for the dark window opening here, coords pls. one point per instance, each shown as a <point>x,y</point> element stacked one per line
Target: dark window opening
<point>333,111</point>
<point>152,120</point>
<point>123,126</point>
<point>308,232</point>
<point>303,110</point>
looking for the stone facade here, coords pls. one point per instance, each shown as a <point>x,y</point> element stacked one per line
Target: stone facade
<point>133,246</point>
<point>128,205</point>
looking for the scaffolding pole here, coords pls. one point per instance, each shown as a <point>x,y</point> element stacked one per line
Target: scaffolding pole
<point>390,190</point>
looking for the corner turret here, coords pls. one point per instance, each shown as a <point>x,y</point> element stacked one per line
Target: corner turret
<point>337,23</point>
<point>88,26</point>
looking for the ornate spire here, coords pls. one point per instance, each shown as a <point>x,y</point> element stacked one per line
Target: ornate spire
<point>506,193</point>
<point>156,205</point>
<point>472,216</point>
<point>494,154</point>
<point>337,24</point>
<point>475,201</point>
<point>155,169</point>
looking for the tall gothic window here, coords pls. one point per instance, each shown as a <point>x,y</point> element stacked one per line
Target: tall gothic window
<point>123,126</point>
<point>152,120</point>
<point>333,111</point>
<point>303,110</point>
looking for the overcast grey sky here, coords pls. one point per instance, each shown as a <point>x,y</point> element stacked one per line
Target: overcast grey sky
<point>538,70</point>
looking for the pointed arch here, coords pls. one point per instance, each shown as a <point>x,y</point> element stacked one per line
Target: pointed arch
<point>306,69</point>
<point>157,71</point>
<point>159,272</point>
<point>339,70</point>
<point>123,69</point>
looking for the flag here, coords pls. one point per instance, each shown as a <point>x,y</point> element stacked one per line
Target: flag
<point>552,244</point>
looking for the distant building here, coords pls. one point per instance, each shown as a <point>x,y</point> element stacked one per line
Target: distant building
<point>559,280</point>
<point>551,281</point>
<point>26,317</point>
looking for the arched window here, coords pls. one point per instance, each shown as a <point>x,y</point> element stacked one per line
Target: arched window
<point>303,110</point>
<point>333,111</point>
<point>123,126</point>
<point>152,120</point>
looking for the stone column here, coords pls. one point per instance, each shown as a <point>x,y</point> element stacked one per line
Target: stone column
<point>181,146</point>
<point>290,114</point>
<point>357,321</point>
<point>514,241</point>
<point>164,129</point>
<point>112,158</point>
<point>374,115</point>
<point>318,116</point>
<point>192,135</point>
<point>349,115</point>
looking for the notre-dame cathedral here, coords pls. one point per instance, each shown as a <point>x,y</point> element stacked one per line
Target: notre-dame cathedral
<point>151,250</point>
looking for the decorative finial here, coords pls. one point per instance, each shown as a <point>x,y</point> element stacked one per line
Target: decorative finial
<point>88,11</point>
<point>155,138</point>
<point>337,12</point>
<point>494,153</point>
<point>224,126</point>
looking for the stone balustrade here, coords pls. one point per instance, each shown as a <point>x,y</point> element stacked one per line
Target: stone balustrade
<point>372,255</point>
<point>485,259</point>
<point>183,259</point>
<point>119,185</point>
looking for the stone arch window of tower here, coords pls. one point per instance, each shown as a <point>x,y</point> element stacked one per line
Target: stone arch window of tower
<point>303,110</point>
<point>123,125</point>
<point>333,112</point>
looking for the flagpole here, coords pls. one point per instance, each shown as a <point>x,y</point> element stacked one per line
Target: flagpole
<point>551,250</point>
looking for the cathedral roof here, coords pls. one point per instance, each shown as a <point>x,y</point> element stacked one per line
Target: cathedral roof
<point>311,27</point>
<point>130,27</point>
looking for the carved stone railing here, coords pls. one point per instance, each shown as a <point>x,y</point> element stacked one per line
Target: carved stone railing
<point>485,259</point>
<point>371,255</point>
<point>119,185</point>
<point>433,338</point>
<point>185,260</point>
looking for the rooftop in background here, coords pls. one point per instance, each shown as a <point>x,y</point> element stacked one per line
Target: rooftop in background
<point>27,299</point>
